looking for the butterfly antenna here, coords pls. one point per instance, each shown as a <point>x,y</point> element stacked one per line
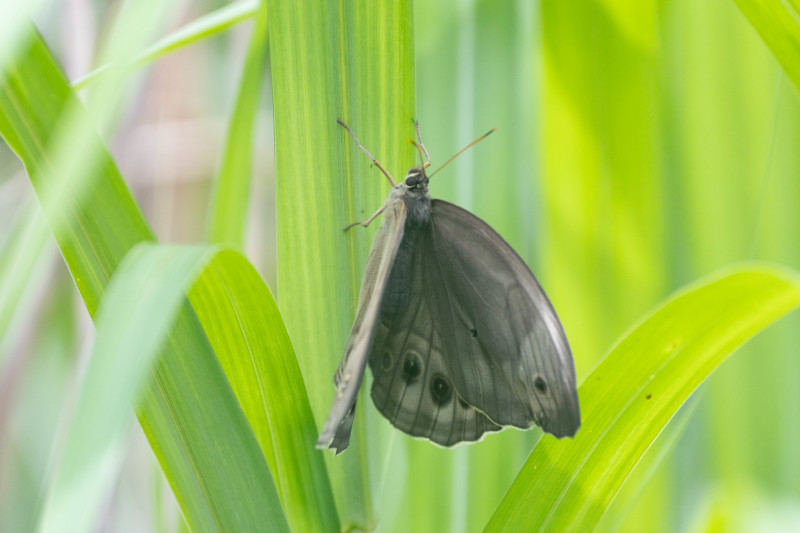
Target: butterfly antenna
<point>422,146</point>
<point>467,147</point>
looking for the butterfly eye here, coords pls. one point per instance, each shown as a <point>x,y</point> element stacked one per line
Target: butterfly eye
<point>412,366</point>
<point>540,385</point>
<point>414,177</point>
<point>441,390</point>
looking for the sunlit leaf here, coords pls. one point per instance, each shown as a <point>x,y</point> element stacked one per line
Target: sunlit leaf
<point>96,222</point>
<point>195,31</point>
<point>355,63</point>
<point>231,198</point>
<point>627,401</point>
<point>133,320</point>
<point>778,23</point>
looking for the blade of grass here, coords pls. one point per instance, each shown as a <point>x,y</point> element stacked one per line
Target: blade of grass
<point>778,23</point>
<point>354,62</point>
<point>246,332</point>
<point>627,401</point>
<point>230,198</point>
<point>133,320</point>
<point>191,418</point>
<point>197,30</point>
<point>19,256</point>
<point>14,18</point>
<point>248,335</point>
<point>639,484</point>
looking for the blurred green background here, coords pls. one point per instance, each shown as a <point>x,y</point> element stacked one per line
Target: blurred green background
<point>640,145</point>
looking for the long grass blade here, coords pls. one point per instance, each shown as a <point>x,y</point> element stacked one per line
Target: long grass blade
<point>778,23</point>
<point>133,320</point>
<point>230,198</point>
<point>197,30</point>
<point>247,333</point>
<point>626,402</point>
<point>352,62</point>
<point>201,440</point>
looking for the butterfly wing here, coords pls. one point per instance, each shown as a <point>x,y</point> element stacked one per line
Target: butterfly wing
<point>408,365</point>
<point>503,345</point>
<point>335,433</point>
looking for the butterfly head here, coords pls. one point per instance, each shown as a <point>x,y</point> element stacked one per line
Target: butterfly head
<point>416,177</point>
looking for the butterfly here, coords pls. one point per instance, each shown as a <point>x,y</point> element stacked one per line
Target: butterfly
<point>459,335</point>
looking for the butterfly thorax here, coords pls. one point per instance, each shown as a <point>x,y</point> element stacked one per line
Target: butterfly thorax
<point>414,192</point>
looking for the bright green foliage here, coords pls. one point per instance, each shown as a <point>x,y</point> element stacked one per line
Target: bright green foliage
<point>641,145</point>
<point>188,400</point>
<point>247,334</point>
<point>778,23</point>
<point>626,402</point>
<point>230,199</point>
<point>196,31</point>
<point>141,302</point>
<point>355,63</point>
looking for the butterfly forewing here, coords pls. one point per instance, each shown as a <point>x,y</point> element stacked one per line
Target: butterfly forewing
<point>336,431</point>
<point>503,343</point>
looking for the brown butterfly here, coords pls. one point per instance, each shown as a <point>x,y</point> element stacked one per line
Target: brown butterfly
<point>460,336</point>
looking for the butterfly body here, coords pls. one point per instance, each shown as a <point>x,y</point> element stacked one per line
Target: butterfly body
<point>458,333</point>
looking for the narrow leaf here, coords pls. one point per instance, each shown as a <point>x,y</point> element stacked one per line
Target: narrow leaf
<point>230,198</point>
<point>133,320</point>
<point>566,485</point>
<point>354,62</point>
<point>247,333</point>
<point>197,30</point>
<point>188,399</point>
<point>778,23</point>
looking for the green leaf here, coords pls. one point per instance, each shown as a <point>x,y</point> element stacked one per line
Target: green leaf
<point>197,30</point>
<point>778,23</point>
<point>14,20</point>
<point>19,255</point>
<point>353,62</point>
<point>567,485</point>
<point>645,476</point>
<point>247,333</point>
<point>96,222</point>
<point>230,198</point>
<point>133,320</point>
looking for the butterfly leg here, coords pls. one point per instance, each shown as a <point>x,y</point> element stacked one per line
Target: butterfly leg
<point>368,221</point>
<point>374,161</point>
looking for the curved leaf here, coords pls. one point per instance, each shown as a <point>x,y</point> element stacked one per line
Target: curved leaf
<point>134,317</point>
<point>200,28</point>
<point>247,333</point>
<point>566,485</point>
<point>96,222</point>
